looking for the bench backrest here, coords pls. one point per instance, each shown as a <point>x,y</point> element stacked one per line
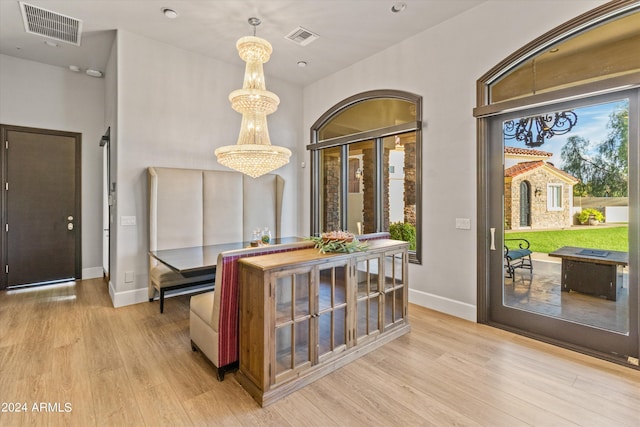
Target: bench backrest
<point>195,207</point>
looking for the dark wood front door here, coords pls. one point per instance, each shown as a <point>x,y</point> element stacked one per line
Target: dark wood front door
<point>41,206</point>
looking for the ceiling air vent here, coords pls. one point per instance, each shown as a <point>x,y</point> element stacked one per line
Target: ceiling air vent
<point>302,36</point>
<point>50,24</point>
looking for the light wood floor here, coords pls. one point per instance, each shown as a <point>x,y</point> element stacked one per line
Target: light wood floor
<point>134,367</point>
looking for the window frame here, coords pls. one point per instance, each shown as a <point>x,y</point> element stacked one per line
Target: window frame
<point>377,135</point>
<point>555,193</point>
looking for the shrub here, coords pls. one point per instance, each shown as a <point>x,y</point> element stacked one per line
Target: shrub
<point>403,231</point>
<point>585,214</point>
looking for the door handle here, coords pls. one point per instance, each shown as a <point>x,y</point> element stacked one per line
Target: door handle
<point>493,239</point>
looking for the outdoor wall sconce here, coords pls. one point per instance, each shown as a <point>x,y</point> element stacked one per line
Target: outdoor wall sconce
<point>538,192</point>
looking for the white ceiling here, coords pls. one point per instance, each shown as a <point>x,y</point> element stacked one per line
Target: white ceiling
<point>349,30</point>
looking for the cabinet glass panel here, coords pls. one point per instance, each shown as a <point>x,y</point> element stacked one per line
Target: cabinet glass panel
<point>283,298</point>
<point>302,353</point>
<point>283,348</point>
<point>332,303</point>
<point>368,295</point>
<point>301,294</point>
<point>394,288</point>
<point>394,274</point>
<point>293,318</point>
<point>367,276</point>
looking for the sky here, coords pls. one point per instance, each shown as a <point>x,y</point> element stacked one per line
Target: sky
<point>591,125</point>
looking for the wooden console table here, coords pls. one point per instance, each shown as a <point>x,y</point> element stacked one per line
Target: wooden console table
<point>305,314</point>
<point>592,271</point>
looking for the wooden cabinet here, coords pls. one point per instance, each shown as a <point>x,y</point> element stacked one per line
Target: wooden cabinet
<point>304,314</point>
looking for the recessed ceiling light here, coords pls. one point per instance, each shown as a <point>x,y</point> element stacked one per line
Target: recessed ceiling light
<point>554,50</point>
<point>74,68</point>
<point>398,7</point>
<point>50,43</point>
<point>169,13</point>
<point>302,64</point>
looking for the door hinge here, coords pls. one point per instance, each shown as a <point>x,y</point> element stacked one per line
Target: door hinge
<point>6,268</point>
<point>6,186</point>
<point>6,144</point>
<point>6,227</point>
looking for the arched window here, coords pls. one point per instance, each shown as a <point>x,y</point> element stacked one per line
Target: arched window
<point>366,167</point>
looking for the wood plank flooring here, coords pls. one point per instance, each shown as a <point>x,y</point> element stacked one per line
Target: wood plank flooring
<point>133,366</point>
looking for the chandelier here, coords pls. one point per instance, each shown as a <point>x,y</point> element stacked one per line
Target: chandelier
<point>253,154</point>
<point>533,131</point>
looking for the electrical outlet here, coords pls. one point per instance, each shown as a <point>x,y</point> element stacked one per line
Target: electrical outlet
<point>128,276</point>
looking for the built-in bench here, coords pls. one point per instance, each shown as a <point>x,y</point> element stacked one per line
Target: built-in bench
<point>195,207</point>
<point>516,255</point>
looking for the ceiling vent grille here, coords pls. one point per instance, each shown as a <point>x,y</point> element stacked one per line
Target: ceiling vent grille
<point>302,36</point>
<point>50,24</point>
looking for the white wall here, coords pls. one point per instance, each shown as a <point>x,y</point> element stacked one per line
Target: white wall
<point>48,97</point>
<point>442,65</point>
<point>173,110</point>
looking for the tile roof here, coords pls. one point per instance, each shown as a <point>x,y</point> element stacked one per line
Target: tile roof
<point>526,152</point>
<point>524,167</point>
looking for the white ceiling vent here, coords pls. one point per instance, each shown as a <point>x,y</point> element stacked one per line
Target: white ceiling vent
<point>50,24</point>
<point>302,36</point>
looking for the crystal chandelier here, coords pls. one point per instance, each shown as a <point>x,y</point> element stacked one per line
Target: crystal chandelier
<point>253,154</point>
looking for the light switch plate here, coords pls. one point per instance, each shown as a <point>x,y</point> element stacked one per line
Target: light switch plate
<point>463,223</point>
<point>127,220</point>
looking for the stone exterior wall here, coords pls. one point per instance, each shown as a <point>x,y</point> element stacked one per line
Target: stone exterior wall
<point>331,184</point>
<point>508,204</point>
<point>410,182</point>
<point>541,217</point>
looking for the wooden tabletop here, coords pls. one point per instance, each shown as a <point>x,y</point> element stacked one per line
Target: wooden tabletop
<point>597,256</point>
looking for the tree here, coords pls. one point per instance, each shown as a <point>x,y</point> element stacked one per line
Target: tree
<point>576,163</point>
<point>606,173</point>
<point>611,177</point>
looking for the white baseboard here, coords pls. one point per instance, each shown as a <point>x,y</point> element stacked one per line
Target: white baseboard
<point>135,296</point>
<point>444,305</point>
<point>92,273</point>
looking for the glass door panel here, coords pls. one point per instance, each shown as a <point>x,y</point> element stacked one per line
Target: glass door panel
<point>564,198</point>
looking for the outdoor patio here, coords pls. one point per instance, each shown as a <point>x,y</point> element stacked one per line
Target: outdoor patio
<point>539,292</point>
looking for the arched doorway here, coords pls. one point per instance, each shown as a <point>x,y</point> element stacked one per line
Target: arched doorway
<point>540,90</point>
<point>525,204</point>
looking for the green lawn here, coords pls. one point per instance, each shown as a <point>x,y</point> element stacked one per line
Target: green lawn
<point>611,238</point>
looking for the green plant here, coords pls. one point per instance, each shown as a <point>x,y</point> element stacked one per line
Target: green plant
<point>587,213</point>
<point>405,232</point>
<point>340,245</point>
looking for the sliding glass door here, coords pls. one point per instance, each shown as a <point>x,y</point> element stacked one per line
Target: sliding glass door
<point>563,207</point>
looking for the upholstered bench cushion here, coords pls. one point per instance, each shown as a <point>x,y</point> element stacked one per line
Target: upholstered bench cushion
<point>518,253</point>
<point>201,305</point>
